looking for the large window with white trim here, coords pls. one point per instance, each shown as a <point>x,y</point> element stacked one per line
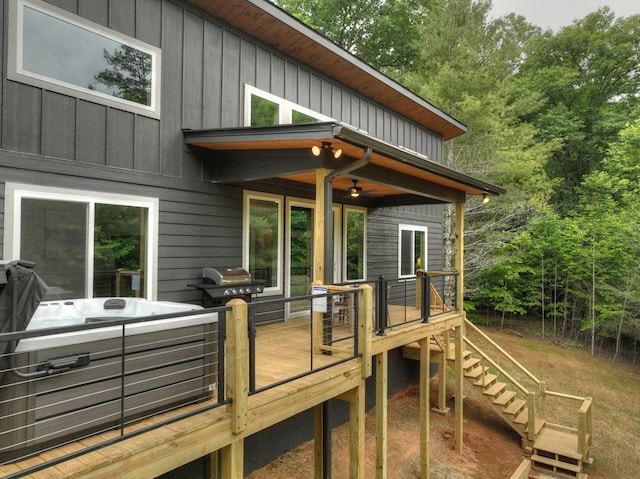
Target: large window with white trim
<point>263,239</point>
<point>53,49</point>
<point>84,244</point>
<point>265,109</point>
<point>412,249</point>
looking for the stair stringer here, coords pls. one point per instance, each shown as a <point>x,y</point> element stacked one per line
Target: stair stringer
<point>559,457</point>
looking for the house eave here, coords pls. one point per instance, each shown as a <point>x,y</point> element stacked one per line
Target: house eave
<point>275,27</point>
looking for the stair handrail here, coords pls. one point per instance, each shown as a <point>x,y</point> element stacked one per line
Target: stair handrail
<point>503,352</point>
<point>584,412</point>
<point>497,366</point>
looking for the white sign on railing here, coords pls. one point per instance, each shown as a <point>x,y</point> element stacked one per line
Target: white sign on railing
<point>319,304</point>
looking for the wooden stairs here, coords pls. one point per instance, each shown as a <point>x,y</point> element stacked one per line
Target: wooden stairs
<point>554,448</point>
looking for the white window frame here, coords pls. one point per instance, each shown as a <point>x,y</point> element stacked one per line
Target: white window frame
<point>17,73</point>
<point>412,229</point>
<point>15,192</point>
<point>285,111</point>
<point>357,209</point>
<point>279,200</point>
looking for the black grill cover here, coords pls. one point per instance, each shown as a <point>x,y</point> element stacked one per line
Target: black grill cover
<point>29,291</point>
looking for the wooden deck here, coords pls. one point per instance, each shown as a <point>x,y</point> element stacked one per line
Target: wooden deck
<point>283,351</point>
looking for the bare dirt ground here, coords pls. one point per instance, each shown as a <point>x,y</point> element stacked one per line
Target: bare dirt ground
<point>491,447</point>
<point>491,450</point>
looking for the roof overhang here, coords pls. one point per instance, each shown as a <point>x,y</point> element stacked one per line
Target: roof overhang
<point>270,24</point>
<point>282,155</point>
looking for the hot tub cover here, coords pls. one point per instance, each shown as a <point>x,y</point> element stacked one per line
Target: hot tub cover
<point>29,291</point>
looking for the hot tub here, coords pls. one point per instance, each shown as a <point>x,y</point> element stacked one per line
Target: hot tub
<point>71,384</point>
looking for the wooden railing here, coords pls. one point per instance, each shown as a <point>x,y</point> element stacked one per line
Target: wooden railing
<point>536,399</point>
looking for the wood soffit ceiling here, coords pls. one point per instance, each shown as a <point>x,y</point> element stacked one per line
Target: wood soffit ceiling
<point>273,26</point>
<point>391,171</point>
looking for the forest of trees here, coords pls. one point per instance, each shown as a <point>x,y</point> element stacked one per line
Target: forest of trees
<point>553,117</point>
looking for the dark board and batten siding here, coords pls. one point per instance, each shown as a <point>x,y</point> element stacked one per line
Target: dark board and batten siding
<point>382,237</point>
<point>198,222</point>
<point>53,139</point>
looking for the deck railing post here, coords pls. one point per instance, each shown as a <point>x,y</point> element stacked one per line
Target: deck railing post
<point>238,363</point>
<point>381,306</point>
<point>364,327</point>
<point>542,399</point>
<point>531,404</point>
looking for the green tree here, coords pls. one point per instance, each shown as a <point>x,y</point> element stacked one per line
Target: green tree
<point>130,75</point>
<point>383,33</point>
<point>589,73</point>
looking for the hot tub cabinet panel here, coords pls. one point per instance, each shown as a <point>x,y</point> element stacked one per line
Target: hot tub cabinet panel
<point>159,369</point>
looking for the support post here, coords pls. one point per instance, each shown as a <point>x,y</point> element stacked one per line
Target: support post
<point>442,374</point>
<point>365,328</point>
<point>318,420</point>
<point>356,432</point>
<point>237,362</point>
<point>319,225</point>
<point>382,386</point>
<point>459,390</point>
<point>425,360</point>
<point>233,460</point>
<point>460,256</point>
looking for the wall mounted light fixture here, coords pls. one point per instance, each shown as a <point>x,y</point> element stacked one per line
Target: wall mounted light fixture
<point>485,199</point>
<point>317,150</point>
<point>354,191</point>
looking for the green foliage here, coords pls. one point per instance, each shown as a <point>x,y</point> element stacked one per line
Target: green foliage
<point>552,118</point>
<point>130,75</point>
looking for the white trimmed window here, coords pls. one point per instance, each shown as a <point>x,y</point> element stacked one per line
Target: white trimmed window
<point>53,49</point>
<point>85,244</point>
<point>355,243</point>
<point>262,239</point>
<point>412,249</point>
<point>265,109</point>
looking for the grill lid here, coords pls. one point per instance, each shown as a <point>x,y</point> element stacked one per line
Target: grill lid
<point>226,276</point>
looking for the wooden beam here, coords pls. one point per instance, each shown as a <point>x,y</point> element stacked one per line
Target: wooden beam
<point>442,384</point>
<point>233,460</point>
<point>318,230</point>
<point>318,434</point>
<point>410,333</point>
<point>460,255</point>
<point>459,390</point>
<point>214,462</point>
<point>382,386</point>
<point>425,363</point>
<point>237,362</point>
<point>317,327</point>
<point>356,432</point>
<point>365,328</point>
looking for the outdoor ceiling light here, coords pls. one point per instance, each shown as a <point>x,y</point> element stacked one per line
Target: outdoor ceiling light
<point>316,150</point>
<point>485,199</point>
<point>354,191</point>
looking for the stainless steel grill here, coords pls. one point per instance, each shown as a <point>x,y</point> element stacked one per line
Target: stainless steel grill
<point>220,284</point>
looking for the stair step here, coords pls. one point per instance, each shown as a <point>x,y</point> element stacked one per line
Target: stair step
<point>523,417</point>
<point>539,425</point>
<point>486,380</point>
<point>515,407</point>
<point>476,372</point>
<point>505,398</point>
<point>556,464</point>
<point>469,363</point>
<point>494,390</point>
<point>553,441</point>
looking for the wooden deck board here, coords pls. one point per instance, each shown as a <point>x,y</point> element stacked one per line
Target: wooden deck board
<point>560,442</point>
